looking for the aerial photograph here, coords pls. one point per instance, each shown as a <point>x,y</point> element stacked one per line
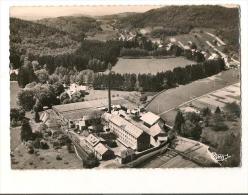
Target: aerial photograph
<point>125,87</point>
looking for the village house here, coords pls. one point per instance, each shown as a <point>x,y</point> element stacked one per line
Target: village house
<point>93,144</point>
<point>125,156</point>
<point>157,134</point>
<point>74,87</point>
<point>102,152</point>
<point>91,141</point>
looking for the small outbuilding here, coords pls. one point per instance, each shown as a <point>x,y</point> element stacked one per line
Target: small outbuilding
<point>102,152</point>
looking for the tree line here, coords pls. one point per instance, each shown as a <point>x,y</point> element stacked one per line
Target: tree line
<point>162,80</point>
<point>175,50</point>
<point>123,82</point>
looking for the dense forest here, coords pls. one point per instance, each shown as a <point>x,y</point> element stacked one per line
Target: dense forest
<point>32,39</point>
<point>76,26</point>
<point>54,47</point>
<point>181,19</point>
<point>61,41</point>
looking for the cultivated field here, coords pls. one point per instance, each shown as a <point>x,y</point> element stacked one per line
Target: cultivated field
<point>14,90</point>
<point>145,66</point>
<point>172,98</point>
<point>212,100</point>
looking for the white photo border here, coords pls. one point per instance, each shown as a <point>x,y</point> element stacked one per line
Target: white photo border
<point>196,180</point>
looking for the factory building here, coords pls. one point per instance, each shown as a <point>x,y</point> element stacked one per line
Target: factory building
<point>129,134</point>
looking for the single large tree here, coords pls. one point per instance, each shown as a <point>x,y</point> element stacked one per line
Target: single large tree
<point>179,120</point>
<point>26,74</point>
<point>26,131</point>
<point>42,75</point>
<point>26,99</point>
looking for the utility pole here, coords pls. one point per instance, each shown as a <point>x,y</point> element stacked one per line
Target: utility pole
<point>109,88</point>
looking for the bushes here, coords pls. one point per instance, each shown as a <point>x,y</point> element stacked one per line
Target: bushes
<point>26,99</point>
<point>233,108</point>
<point>220,126</point>
<point>91,161</point>
<point>111,143</point>
<point>206,111</point>
<point>60,140</point>
<point>136,52</point>
<point>188,125</point>
<point>16,116</point>
<point>58,157</point>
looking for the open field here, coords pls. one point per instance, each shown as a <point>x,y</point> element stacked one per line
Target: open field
<point>102,94</point>
<point>212,100</point>
<point>131,96</point>
<point>14,89</point>
<point>172,98</point>
<point>146,66</point>
<point>41,159</point>
<point>44,159</point>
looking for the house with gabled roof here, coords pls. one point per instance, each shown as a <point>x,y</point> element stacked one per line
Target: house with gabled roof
<point>102,152</point>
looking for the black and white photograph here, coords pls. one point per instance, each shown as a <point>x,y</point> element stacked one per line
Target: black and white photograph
<point>125,87</point>
<point>151,88</point>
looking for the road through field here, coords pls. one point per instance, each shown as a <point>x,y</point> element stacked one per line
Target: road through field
<point>172,98</point>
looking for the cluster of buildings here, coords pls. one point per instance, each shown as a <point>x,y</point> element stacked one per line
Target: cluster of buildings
<point>127,36</point>
<point>134,130</point>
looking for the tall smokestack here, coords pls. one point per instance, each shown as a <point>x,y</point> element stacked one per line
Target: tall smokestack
<point>109,88</point>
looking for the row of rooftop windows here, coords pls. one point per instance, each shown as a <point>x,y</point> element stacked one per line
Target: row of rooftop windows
<point>123,132</point>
